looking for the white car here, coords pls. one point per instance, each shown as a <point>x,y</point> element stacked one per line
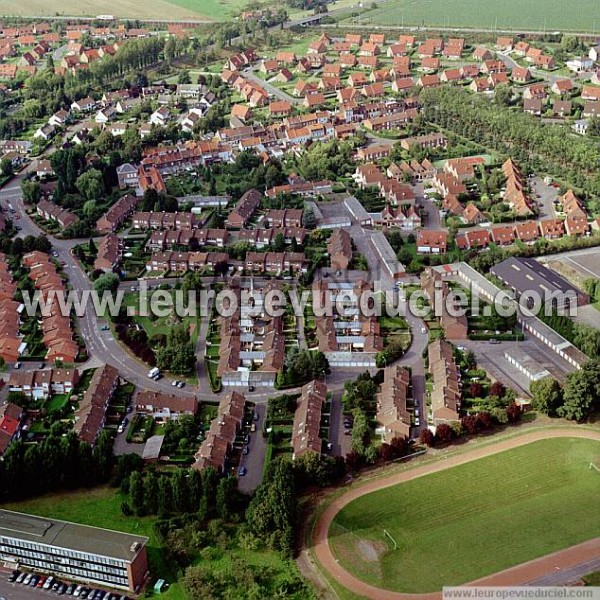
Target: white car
<point>423,329</point>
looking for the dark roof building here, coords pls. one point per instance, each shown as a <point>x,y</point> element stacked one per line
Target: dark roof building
<point>528,276</point>
<point>77,552</point>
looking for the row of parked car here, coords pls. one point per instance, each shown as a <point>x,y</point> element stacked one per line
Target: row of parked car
<point>61,588</point>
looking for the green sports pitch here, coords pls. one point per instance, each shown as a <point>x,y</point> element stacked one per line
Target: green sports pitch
<point>473,520</point>
<point>531,15</point>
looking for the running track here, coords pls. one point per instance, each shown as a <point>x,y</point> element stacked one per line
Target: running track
<point>519,575</point>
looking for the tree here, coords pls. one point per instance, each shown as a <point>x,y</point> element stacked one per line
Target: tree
<point>210,479</point>
<point>513,412</point>
<point>136,493</point>
<point>546,395</point>
<point>427,438</point>
<point>226,497</point>
<point>31,191</point>
<point>497,389</point>
<point>309,219</point>
<point>475,390</point>
<point>6,167</point>
<point>108,282</point>
<point>581,392</point>
<point>184,77</point>
<point>279,243</point>
<point>386,452</point>
<point>484,420</point>
<point>151,493</point>
<point>272,511</point>
<point>503,95</point>
<point>91,184</point>
<point>444,433</point>
<point>391,353</point>
<point>165,497</point>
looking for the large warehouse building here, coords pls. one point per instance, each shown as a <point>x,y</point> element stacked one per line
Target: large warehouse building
<point>74,552</point>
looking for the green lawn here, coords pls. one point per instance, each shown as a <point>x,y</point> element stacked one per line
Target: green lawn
<point>592,579</point>
<point>213,9</point>
<point>475,519</point>
<point>535,15</point>
<point>56,402</point>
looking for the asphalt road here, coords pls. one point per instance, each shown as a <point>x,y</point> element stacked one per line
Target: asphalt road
<point>255,459</point>
<point>271,89</point>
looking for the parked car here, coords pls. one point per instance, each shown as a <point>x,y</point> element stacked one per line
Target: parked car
<point>181,384</point>
<point>242,471</point>
<point>14,576</point>
<point>245,450</point>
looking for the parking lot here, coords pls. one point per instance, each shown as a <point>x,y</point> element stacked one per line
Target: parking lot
<point>547,195</point>
<point>18,591</point>
<point>585,263</point>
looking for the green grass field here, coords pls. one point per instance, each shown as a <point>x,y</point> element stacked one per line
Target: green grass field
<point>219,10</point>
<point>472,520</point>
<point>537,15</point>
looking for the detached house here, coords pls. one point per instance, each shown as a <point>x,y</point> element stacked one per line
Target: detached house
<point>84,105</point>
<point>160,117</point>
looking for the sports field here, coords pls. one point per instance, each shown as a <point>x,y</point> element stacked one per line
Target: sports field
<point>156,9</point>
<point>472,520</point>
<point>522,15</point>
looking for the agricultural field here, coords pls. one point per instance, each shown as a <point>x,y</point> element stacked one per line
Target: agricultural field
<point>157,9</point>
<point>535,15</point>
<point>454,527</point>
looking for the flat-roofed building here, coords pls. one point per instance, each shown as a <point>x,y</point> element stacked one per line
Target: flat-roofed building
<point>77,552</point>
<point>527,276</point>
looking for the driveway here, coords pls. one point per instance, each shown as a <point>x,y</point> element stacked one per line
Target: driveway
<point>547,195</point>
<point>254,461</point>
<point>271,89</point>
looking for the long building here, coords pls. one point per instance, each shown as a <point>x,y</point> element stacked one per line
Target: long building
<point>76,552</point>
<point>392,404</point>
<point>528,276</point>
<point>307,419</point>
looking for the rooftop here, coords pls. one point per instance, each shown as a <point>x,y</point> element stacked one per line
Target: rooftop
<point>63,534</point>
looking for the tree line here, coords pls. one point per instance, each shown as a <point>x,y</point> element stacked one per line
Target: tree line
<point>530,142</point>
<point>58,462</point>
<point>575,400</point>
